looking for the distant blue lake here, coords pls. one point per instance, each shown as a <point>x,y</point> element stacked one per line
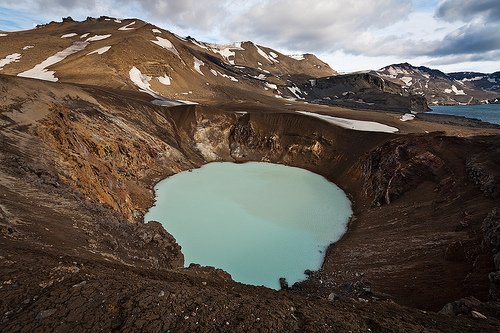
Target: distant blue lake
<point>485,112</point>
<point>257,221</point>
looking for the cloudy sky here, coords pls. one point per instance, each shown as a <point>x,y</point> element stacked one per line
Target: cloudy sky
<point>452,35</point>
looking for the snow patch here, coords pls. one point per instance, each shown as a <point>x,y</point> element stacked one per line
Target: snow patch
<point>297,56</point>
<point>142,82</point>
<point>101,50</point>
<point>187,102</point>
<point>260,77</point>
<point>407,80</point>
<point>165,79</point>
<point>97,38</point>
<point>357,125</point>
<point>41,72</point>
<point>214,72</point>
<point>85,35</point>
<point>3,35</point>
<point>274,55</point>
<point>118,21</point>
<point>295,91</point>
<point>454,90</point>
<point>271,85</point>
<point>476,78</point>
<point>27,47</point>
<point>166,44</point>
<point>14,57</point>
<point>407,116</point>
<point>69,35</point>
<point>156,31</point>
<point>197,64</point>
<point>127,27</point>
<point>232,78</point>
<point>492,80</point>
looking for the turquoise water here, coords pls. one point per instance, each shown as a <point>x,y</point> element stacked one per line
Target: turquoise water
<point>257,221</point>
<point>485,112</point>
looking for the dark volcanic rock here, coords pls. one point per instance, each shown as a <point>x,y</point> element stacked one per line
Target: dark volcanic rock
<point>483,176</point>
<point>396,167</point>
<point>491,230</point>
<point>363,90</point>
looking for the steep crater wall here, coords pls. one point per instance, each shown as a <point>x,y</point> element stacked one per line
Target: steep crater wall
<point>110,150</point>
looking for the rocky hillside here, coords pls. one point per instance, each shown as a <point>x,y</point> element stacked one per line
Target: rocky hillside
<point>362,90</point>
<point>134,55</point>
<point>441,88</point>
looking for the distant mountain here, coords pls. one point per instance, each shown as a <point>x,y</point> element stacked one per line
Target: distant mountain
<point>442,88</point>
<point>488,82</point>
<point>362,90</point>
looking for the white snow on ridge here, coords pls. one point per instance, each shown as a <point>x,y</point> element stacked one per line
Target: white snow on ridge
<point>195,42</point>
<point>179,37</point>
<point>476,78</point>
<point>156,31</point>
<point>264,54</point>
<point>3,35</point>
<point>14,57</point>
<point>118,21</point>
<point>357,125</point>
<point>69,35</point>
<point>101,50</point>
<point>297,56</point>
<point>492,80</point>
<point>166,44</point>
<point>127,27</point>
<point>226,51</point>
<point>197,64</point>
<point>27,47</point>
<point>85,35</point>
<point>274,55</point>
<point>41,72</point>
<point>97,38</point>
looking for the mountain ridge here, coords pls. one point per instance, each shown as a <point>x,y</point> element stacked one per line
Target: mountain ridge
<point>136,55</point>
<point>444,88</point>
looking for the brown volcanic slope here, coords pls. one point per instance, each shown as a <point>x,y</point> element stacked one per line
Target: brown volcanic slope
<point>134,55</point>
<point>77,169</point>
<point>225,71</point>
